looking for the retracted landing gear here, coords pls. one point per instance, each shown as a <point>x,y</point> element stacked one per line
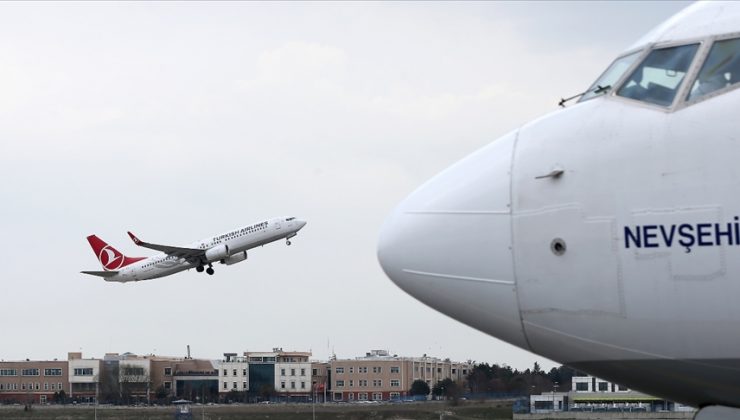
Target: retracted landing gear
<point>209,270</point>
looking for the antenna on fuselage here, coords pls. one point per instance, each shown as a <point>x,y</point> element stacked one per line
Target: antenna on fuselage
<point>597,90</point>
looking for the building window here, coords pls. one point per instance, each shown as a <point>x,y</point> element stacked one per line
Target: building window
<point>167,385</point>
<point>30,372</point>
<point>46,386</point>
<point>362,396</point>
<point>38,386</point>
<point>52,386</point>
<point>314,372</point>
<point>351,382</point>
<point>454,371</point>
<point>244,372</point>
<point>52,372</point>
<point>377,383</point>
<point>282,384</point>
<point>351,396</point>
<point>168,371</point>
<point>337,396</point>
<point>83,372</point>
<point>292,372</point>
<point>395,383</point>
<point>439,370</point>
<point>233,385</point>
<point>226,385</point>
<point>59,386</point>
<point>339,370</point>
<point>362,369</point>
<point>395,369</point>
<point>303,372</point>
<point>244,385</point>
<point>133,371</point>
<point>363,382</point>
<point>303,385</point>
<point>340,383</point>
<point>603,386</point>
<point>292,384</point>
<point>581,386</point>
<point>378,396</point>
<point>226,372</point>
<point>377,369</point>
<point>395,395</point>
<point>351,369</point>
<point>622,388</point>
<point>23,387</point>
<point>233,372</point>
<point>8,372</point>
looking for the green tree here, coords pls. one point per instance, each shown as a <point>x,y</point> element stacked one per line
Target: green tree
<point>419,387</point>
<point>446,388</point>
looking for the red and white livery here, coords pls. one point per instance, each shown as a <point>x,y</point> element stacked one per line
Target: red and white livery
<point>227,248</point>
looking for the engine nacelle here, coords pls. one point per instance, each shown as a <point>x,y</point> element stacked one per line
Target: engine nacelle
<point>218,252</point>
<point>235,258</point>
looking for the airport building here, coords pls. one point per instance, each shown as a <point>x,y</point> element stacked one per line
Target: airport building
<point>84,377</point>
<point>254,376</point>
<point>33,381</point>
<point>378,376</point>
<point>293,375</point>
<point>320,381</point>
<point>591,394</point>
<point>233,373</point>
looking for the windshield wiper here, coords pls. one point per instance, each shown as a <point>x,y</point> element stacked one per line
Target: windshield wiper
<point>597,90</point>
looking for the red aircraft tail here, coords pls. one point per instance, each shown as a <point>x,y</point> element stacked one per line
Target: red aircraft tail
<point>109,257</point>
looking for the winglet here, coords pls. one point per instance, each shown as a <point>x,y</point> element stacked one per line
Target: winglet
<point>136,240</point>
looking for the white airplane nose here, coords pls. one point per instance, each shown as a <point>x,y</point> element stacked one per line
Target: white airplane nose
<point>449,243</point>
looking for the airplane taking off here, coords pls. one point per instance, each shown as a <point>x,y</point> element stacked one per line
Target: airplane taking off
<point>605,235</point>
<point>228,248</point>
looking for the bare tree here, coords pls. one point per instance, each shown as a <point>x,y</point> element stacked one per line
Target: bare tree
<point>134,381</point>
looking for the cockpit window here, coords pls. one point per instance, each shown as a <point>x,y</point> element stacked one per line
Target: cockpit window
<point>721,69</point>
<point>289,219</point>
<point>657,79</point>
<point>610,76</point>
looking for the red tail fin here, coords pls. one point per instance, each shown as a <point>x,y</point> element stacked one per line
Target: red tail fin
<point>109,257</point>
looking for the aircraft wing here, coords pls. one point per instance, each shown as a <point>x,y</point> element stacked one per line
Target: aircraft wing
<point>186,253</point>
<point>103,274</point>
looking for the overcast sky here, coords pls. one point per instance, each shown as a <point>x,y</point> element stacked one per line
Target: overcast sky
<point>182,120</point>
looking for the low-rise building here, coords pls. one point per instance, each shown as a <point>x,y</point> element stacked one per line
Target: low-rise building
<point>320,381</point>
<point>233,374</point>
<point>195,380</point>
<point>32,381</point>
<point>84,377</point>
<point>380,377</point>
<point>293,375</point>
<point>589,393</point>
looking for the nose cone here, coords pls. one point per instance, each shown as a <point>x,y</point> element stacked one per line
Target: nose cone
<point>300,223</point>
<point>449,243</point>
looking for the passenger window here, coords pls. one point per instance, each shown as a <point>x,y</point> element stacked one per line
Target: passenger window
<point>721,68</point>
<point>657,79</point>
<point>610,76</point>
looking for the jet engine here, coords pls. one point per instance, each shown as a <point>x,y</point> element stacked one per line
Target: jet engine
<point>218,252</point>
<point>235,258</point>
